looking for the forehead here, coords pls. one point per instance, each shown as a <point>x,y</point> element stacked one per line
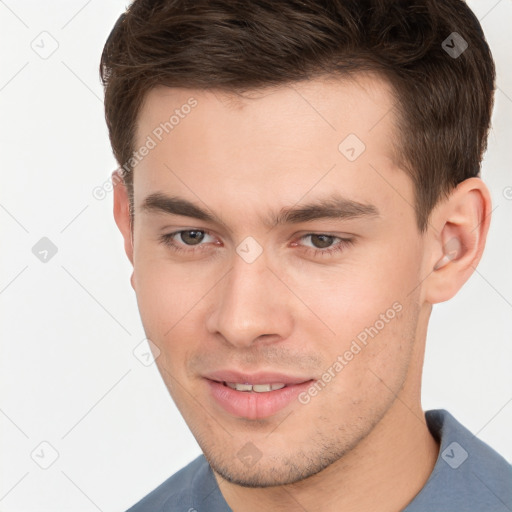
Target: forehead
<point>342,102</point>
<point>277,144</point>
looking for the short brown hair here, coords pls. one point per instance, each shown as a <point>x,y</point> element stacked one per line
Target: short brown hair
<point>444,100</point>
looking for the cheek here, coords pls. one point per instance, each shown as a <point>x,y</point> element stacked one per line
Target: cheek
<point>165,296</point>
<point>372,371</point>
<point>172,299</point>
<point>165,288</point>
<point>369,279</point>
<point>352,298</point>
<point>166,306</point>
<point>372,313</point>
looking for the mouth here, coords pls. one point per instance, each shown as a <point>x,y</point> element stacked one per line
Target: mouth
<point>256,388</point>
<point>254,396</point>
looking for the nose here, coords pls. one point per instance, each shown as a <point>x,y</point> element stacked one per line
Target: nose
<point>251,305</point>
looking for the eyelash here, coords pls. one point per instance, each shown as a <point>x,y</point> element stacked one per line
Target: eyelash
<point>168,241</point>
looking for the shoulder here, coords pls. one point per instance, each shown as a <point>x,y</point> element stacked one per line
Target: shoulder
<point>469,475</point>
<point>186,490</point>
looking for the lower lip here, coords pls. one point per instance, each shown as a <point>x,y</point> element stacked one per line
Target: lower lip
<point>253,405</point>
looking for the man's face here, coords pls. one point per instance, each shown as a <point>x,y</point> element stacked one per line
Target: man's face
<point>247,301</point>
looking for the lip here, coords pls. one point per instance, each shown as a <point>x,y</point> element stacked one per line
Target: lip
<point>253,405</point>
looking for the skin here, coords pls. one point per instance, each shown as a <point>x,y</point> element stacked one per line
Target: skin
<point>362,440</point>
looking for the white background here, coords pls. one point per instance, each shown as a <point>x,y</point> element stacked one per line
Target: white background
<point>69,326</point>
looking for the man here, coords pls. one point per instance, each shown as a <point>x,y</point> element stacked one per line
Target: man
<point>298,185</point>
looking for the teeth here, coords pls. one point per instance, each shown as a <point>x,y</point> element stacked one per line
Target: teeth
<point>258,388</point>
<point>240,387</point>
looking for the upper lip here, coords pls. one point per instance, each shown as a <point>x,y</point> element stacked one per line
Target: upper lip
<point>255,378</point>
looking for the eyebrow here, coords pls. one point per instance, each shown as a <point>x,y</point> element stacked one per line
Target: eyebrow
<point>333,206</point>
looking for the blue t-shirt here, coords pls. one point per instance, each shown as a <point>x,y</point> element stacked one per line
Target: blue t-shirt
<point>469,476</point>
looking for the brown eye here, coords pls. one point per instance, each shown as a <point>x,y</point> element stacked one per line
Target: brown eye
<point>322,241</point>
<point>323,245</point>
<point>187,240</point>
<point>191,236</point>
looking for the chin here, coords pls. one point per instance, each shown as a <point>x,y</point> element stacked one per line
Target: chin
<point>273,472</point>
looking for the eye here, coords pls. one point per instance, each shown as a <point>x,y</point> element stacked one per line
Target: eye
<point>194,236</point>
<point>324,240</point>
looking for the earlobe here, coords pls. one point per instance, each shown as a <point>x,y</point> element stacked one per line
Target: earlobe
<point>458,246</point>
<point>122,212</point>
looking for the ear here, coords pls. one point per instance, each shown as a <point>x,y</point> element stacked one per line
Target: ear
<point>462,223</point>
<point>122,213</point>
